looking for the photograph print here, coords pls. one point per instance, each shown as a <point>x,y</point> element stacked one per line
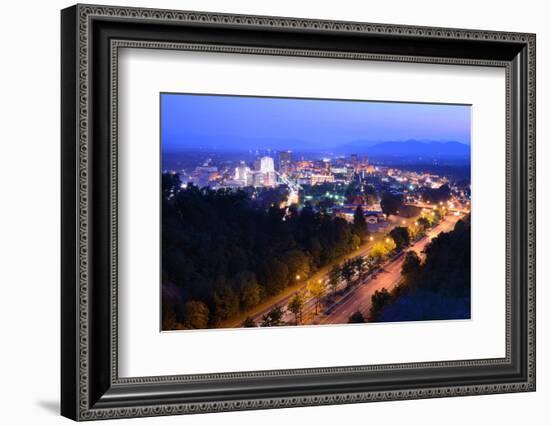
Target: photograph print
<point>304,212</point>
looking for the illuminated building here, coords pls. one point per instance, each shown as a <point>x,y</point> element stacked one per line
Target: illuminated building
<point>257,178</point>
<point>316,179</point>
<point>267,165</point>
<point>204,174</point>
<point>267,168</point>
<point>264,172</point>
<point>270,179</point>
<point>242,174</point>
<point>339,170</point>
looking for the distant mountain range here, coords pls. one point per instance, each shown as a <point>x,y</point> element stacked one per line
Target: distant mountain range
<point>415,148</point>
<point>397,151</point>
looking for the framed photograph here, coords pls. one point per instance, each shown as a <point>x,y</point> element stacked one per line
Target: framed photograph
<point>263,212</point>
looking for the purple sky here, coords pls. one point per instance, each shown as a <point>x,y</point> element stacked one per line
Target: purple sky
<point>236,123</point>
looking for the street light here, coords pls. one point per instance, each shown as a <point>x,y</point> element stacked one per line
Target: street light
<point>298,277</point>
<point>371,238</point>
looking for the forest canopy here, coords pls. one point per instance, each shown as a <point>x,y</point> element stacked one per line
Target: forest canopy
<point>438,288</point>
<point>223,255</point>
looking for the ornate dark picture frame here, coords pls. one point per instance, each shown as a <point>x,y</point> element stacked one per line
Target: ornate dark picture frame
<point>90,385</point>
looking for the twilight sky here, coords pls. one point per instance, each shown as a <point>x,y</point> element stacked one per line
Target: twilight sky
<point>234,123</point>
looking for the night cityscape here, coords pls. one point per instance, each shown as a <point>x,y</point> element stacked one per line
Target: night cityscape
<point>294,233</point>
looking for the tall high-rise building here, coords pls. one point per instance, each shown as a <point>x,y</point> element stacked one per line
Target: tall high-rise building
<point>270,179</point>
<point>242,174</point>
<point>267,164</point>
<point>266,167</point>
<point>257,178</point>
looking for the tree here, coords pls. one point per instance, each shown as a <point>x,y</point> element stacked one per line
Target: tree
<point>298,263</point>
<point>334,277</point>
<point>318,290</point>
<point>423,223</point>
<point>326,203</point>
<point>371,262</point>
<point>229,248</point>
<point>391,203</point>
<point>355,242</point>
<point>439,287</point>
<point>249,323</point>
<point>415,231</point>
<point>430,217</point>
<point>371,197</point>
<point>379,299</point>
<point>273,274</point>
<point>360,224</point>
<point>348,271</point>
<point>249,290</point>
<point>226,303</point>
<point>443,193</point>
<point>195,314</point>
<point>356,318</point>
<point>359,264</point>
<point>296,306</point>
<point>401,237</point>
<point>169,320</point>
<point>273,318</point>
<point>411,267</point>
<point>171,184</point>
<point>381,249</point>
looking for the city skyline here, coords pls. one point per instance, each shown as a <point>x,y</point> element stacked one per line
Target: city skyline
<point>219,122</point>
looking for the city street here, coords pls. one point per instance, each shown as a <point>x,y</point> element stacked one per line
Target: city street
<point>360,298</point>
<point>322,274</point>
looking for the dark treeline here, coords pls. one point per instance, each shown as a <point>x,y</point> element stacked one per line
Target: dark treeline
<point>438,288</point>
<point>436,195</point>
<point>455,172</point>
<point>222,255</point>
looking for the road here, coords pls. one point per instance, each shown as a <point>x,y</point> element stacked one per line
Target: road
<point>283,298</point>
<point>359,298</point>
<point>388,278</point>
